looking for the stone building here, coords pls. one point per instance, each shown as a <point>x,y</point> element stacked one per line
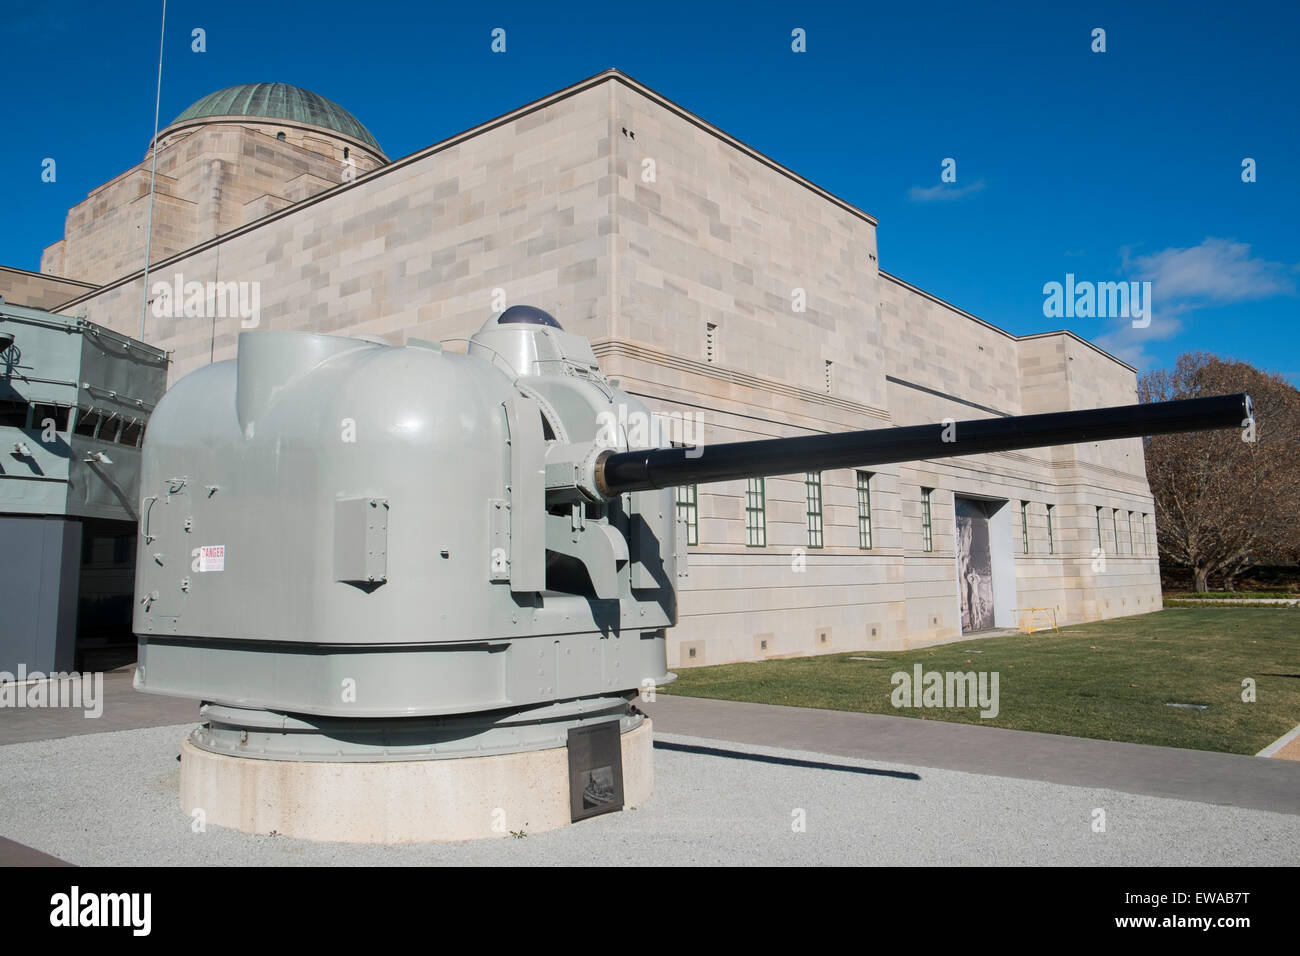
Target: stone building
<point>712,281</point>
<point>229,159</point>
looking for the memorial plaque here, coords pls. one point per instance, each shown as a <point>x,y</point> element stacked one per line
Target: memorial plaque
<point>595,770</point>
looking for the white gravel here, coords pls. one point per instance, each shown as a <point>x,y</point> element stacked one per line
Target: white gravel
<point>111,799</point>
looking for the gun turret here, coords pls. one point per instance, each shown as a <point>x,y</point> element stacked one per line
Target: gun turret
<point>353,553</point>
<point>349,549</point>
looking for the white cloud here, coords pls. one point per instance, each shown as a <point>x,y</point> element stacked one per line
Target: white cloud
<point>1216,272</point>
<point>1125,342</point>
<point>944,192</point>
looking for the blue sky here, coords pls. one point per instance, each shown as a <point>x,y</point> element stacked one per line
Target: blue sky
<point>1122,165</point>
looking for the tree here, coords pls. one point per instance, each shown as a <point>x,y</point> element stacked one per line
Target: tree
<point>1223,503</point>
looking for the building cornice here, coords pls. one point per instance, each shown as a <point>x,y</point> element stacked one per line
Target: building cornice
<point>252,122</point>
<point>49,276</point>
<point>993,328</point>
<point>1096,348</point>
<point>607,76</point>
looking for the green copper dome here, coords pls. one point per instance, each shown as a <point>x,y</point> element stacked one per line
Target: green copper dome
<point>280,101</point>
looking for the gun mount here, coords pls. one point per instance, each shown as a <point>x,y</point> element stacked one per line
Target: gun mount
<point>354,553</point>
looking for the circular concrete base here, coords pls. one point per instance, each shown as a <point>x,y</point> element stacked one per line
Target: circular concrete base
<point>409,801</point>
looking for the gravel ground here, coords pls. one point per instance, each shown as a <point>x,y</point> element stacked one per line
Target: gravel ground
<point>111,799</point>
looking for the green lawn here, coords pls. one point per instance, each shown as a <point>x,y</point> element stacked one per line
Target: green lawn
<point>1231,595</point>
<point>1110,680</point>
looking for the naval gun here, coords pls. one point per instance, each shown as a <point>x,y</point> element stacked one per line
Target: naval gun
<point>355,552</point>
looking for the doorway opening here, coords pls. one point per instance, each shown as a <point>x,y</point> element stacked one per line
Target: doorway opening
<point>986,584</point>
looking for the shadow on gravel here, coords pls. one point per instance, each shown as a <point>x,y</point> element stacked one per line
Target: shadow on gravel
<point>782,761</point>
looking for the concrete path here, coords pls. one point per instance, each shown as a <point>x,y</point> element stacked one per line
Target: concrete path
<point>1286,747</point>
<point>124,708</point>
<point>15,854</point>
<point>736,784</point>
<point>111,800</point>
<point>1222,779</point>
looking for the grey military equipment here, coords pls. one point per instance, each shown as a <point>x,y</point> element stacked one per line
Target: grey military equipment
<point>354,551</point>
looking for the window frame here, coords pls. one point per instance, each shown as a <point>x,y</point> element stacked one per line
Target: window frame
<point>687,499</point>
<point>756,514</point>
<point>863,483</point>
<point>813,509</point>
<point>927,521</point>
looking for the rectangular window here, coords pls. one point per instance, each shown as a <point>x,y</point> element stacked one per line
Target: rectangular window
<point>864,510</point>
<point>13,414</point>
<point>710,343</point>
<point>1024,527</point>
<point>755,514</point>
<point>109,428</point>
<point>87,422</point>
<point>1051,540</point>
<point>830,380</point>
<point>812,483</point>
<point>688,509</point>
<point>1114,527</point>
<point>58,414</point>
<point>1130,533</point>
<point>927,528</point>
<point>130,434</point>
<point>1101,544</point>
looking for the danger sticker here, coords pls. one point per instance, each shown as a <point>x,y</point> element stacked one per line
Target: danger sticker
<point>212,557</point>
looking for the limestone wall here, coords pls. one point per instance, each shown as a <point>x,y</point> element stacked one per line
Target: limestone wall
<point>210,180</point>
<point>640,226</point>
<point>20,287</point>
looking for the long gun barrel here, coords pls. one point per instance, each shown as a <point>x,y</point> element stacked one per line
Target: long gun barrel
<point>619,472</point>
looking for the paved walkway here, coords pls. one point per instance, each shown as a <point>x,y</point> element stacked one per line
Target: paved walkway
<point>1222,779</point>
<point>1286,747</point>
<point>125,708</point>
<point>112,800</point>
<point>727,775</point>
<point>15,854</point>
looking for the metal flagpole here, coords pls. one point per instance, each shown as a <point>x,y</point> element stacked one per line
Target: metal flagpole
<point>153,173</point>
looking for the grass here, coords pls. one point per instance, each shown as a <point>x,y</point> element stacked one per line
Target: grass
<point>1231,595</point>
<point>1109,680</point>
<point>1182,602</point>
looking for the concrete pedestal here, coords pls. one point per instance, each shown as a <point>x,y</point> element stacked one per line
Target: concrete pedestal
<point>412,801</point>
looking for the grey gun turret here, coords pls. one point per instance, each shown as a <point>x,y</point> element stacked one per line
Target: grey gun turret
<point>354,551</point>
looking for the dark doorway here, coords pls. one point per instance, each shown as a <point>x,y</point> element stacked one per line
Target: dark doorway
<point>105,595</point>
<point>974,565</point>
